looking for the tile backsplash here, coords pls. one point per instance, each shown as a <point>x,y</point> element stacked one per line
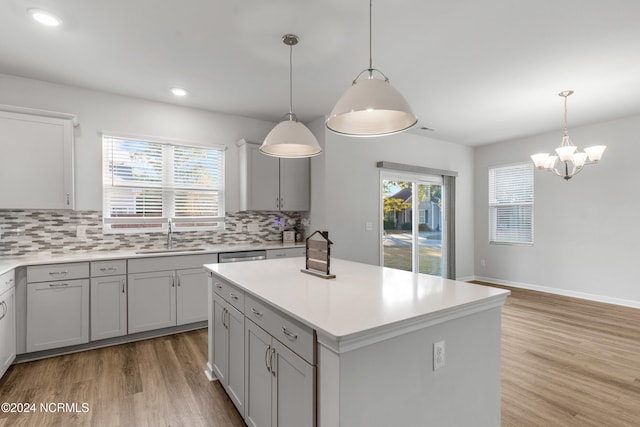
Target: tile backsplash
<point>31,232</point>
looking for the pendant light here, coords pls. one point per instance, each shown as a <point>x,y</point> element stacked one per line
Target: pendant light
<point>571,160</point>
<point>290,138</point>
<point>371,107</point>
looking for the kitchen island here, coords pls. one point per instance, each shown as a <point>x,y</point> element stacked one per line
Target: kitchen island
<point>375,334</point>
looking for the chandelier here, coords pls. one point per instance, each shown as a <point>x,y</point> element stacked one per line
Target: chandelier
<point>568,161</point>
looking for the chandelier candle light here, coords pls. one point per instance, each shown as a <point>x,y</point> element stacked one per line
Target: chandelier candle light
<point>371,107</point>
<point>571,160</point>
<point>290,138</point>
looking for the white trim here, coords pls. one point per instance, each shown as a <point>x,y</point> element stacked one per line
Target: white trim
<point>160,140</point>
<point>558,291</point>
<point>42,113</point>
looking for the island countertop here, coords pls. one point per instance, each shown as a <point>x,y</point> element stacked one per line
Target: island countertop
<point>363,300</point>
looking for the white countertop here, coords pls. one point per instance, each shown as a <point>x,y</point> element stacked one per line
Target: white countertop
<point>362,299</point>
<point>10,263</point>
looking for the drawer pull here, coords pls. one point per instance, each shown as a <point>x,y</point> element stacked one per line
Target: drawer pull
<point>57,285</point>
<point>8,282</point>
<point>256,312</point>
<point>108,269</point>
<point>280,255</point>
<point>289,334</point>
<point>234,296</point>
<point>58,273</point>
<point>218,286</point>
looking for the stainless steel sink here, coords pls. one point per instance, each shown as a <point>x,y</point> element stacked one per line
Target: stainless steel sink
<point>164,251</point>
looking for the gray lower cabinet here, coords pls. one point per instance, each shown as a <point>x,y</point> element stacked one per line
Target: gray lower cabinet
<point>7,321</point>
<point>57,314</point>
<point>228,350</point>
<point>152,301</point>
<point>108,307</point>
<point>191,296</point>
<point>57,305</point>
<point>280,384</point>
<point>167,291</point>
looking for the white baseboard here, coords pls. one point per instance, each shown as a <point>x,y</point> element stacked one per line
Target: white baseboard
<point>557,291</point>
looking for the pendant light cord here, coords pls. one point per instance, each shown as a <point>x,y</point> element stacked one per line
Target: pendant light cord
<point>370,40</point>
<point>291,80</point>
<point>566,131</point>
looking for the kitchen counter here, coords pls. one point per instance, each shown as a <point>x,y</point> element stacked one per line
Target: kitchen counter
<point>10,263</point>
<point>378,330</point>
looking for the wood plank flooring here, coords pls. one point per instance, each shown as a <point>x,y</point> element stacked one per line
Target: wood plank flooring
<point>569,362</point>
<point>156,382</point>
<point>565,362</point>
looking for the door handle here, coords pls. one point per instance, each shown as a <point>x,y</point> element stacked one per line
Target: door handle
<point>267,358</point>
<point>123,284</point>
<point>273,365</point>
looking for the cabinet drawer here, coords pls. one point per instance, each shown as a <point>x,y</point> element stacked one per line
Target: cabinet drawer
<point>290,332</point>
<point>53,272</point>
<point>7,281</point>
<point>175,262</point>
<point>108,268</point>
<point>286,252</point>
<point>231,293</point>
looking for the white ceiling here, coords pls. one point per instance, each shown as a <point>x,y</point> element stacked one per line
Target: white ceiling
<point>475,71</point>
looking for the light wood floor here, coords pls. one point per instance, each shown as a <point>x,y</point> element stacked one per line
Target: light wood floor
<point>157,382</point>
<point>565,362</point>
<point>569,362</point>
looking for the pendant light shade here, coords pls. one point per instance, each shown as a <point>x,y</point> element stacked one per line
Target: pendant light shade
<point>290,138</point>
<point>371,107</point>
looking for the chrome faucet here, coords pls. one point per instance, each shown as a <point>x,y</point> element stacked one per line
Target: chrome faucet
<point>170,235</point>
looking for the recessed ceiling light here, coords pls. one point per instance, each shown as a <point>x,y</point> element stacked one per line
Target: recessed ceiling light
<point>45,18</point>
<point>177,91</point>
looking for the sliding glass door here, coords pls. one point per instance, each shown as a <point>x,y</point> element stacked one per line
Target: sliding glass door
<point>413,223</point>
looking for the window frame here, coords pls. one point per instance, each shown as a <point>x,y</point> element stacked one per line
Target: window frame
<point>168,189</point>
<point>493,234</point>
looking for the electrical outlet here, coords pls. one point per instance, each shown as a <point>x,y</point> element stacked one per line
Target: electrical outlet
<point>438,355</point>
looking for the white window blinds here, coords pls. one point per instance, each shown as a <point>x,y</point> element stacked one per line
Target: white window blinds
<point>511,204</point>
<point>145,183</point>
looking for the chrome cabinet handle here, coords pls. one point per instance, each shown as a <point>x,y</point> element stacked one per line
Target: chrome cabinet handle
<point>8,282</point>
<point>57,285</point>
<point>289,334</point>
<point>218,286</point>
<point>280,255</point>
<point>58,273</point>
<point>173,281</point>
<point>108,269</point>
<point>178,276</point>
<point>278,202</point>
<point>222,318</point>
<point>4,309</point>
<point>267,358</point>
<point>234,296</point>
<point>281,202</point>
<point>256,312</point>
<point>273,365</point>
<point>123,284</point>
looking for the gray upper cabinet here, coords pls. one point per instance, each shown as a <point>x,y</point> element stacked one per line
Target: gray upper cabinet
<point>36,168</point>
<point>271,184</point>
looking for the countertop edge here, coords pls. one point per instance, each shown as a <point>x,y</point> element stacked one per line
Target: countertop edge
<point>11,263</point>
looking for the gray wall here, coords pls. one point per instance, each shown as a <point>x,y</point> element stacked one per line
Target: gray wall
<point>586,230</point>
<point>346,189</point>
<point>99,111</point>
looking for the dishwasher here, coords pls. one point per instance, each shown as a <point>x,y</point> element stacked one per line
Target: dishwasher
<point>241,256</point>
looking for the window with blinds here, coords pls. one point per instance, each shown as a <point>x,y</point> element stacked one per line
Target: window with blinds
<point>511,204</point>
<point>146,183</point>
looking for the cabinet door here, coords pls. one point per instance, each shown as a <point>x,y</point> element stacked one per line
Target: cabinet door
<point>258,376</point>
<point>220,359</point>
<point>108,307</point>
<point>191,296</point>
<point>262,180</point>
<point>294,391</point>
<point>235,371</point>
<point>57,314</point>
<point>294,184</point>
<point>152,301</point>
<point>7,330</point>
<point>39,172</point>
